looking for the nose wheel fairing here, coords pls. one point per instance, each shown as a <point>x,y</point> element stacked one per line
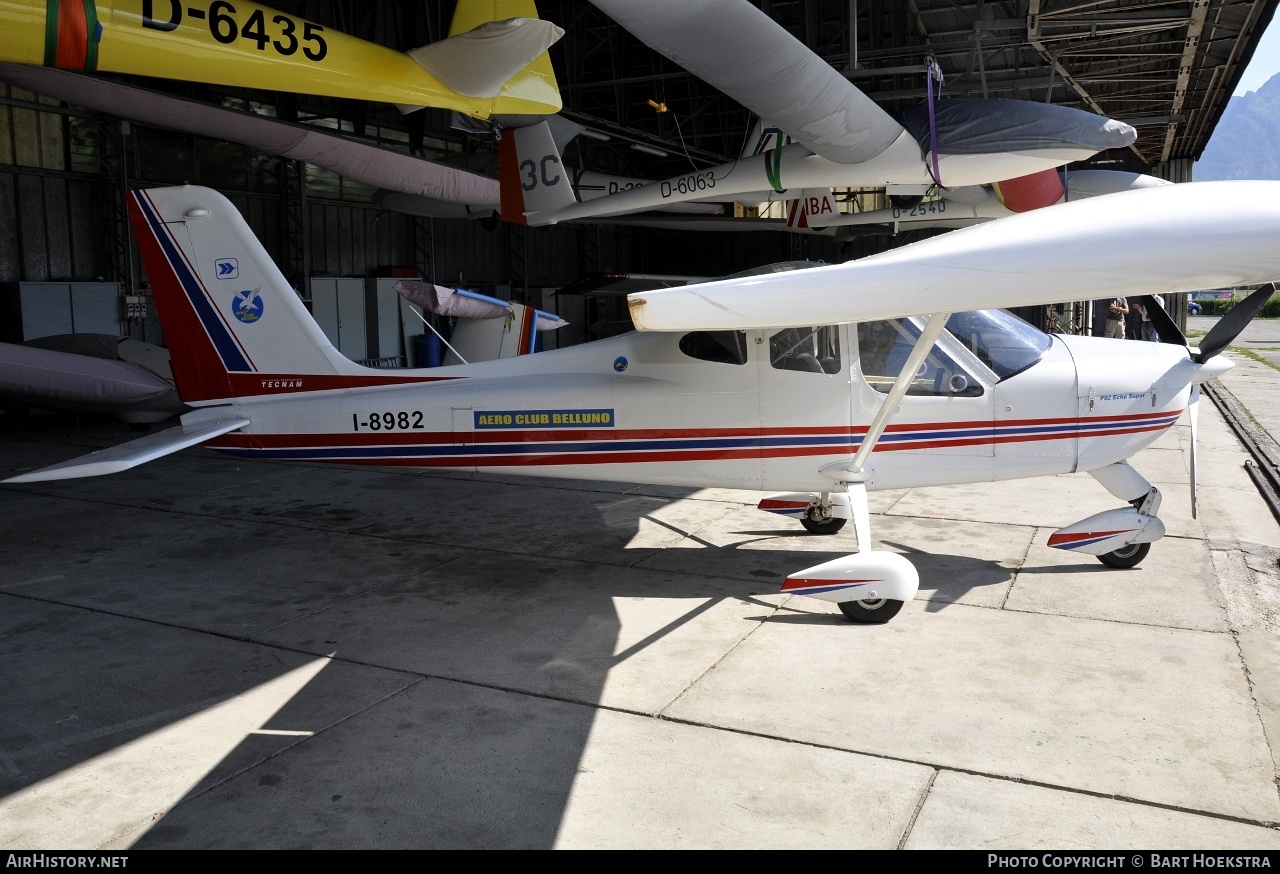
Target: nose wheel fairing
<point>1108,531</point>
<point>1112,535</point>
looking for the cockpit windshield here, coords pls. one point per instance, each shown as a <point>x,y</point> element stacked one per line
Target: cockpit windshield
<point>1001,340</point>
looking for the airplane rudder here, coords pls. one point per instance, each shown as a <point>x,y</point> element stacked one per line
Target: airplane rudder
<point>228,312</point>
<point>198,369</point>
<point>511,201</point>
<point>535,172</point>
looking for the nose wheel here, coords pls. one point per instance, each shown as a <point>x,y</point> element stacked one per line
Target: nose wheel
<point>1126,556</point>
<point>872,612</point>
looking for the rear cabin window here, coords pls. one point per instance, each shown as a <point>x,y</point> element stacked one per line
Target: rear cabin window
<point>811,350</point>
<point>722,347</point>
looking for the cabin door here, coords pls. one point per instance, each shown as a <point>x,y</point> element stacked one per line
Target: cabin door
<point>804,403</point>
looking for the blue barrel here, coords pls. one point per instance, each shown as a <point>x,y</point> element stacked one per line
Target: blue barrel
<point>428,350</point>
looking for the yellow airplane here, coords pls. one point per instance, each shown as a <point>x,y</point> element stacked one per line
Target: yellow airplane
<point>494,61</point>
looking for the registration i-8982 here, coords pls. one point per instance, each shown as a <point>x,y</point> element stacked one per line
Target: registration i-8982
<point>389,421</point>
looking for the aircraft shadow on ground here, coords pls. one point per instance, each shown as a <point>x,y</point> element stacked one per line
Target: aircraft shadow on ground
<point>381,664</point>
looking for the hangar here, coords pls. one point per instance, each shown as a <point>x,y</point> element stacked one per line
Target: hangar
<point>240,653</point>
<point>1167,68</point>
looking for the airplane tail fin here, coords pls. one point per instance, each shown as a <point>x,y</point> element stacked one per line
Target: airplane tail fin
<point>234,326</point>
<point>813,208</point>
<point>497,49</point>
<point>764,137</point>
<point>532,175</point>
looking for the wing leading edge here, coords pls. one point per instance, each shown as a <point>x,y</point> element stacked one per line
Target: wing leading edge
<point>1157,240</point>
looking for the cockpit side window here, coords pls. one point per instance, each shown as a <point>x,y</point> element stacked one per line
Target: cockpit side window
<point>883,348</point>
<point>813,350</point>
<point>722,347</point>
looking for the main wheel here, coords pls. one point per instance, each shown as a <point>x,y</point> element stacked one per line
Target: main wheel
<point>875,612</point>
<point>829,525</point>
<point>1126,556</point>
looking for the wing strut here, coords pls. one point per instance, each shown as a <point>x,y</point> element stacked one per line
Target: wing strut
<point>852,474</point>
<point>932,329</point>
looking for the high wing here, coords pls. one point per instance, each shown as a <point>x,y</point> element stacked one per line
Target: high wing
<point>806,97</point>
<point>1211,235</point>
<point>493,62</point>
<point>783,81</point>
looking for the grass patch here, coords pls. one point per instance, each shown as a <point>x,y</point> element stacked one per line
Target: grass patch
<point>1253,354</point>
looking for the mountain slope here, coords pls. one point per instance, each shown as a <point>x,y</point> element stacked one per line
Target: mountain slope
<point>1246,142</point>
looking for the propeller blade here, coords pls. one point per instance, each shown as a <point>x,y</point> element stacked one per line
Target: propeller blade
<point>1165,326</point>
<point>1235,321</point>
<point>1193,413</point>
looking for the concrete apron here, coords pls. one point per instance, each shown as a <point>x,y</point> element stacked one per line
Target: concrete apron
<point>209,653</point>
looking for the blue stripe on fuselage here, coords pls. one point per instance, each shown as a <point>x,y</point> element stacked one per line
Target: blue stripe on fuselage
<point>227,347</point>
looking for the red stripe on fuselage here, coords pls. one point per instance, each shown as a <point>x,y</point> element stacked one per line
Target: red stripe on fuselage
<point>837,437</point>
<point>249,384</point>
<point>197,368</point>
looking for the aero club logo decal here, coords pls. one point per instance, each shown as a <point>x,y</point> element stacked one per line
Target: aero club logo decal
<point>247,306</point>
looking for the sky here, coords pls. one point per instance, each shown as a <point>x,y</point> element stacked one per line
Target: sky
<point>1265,62</point>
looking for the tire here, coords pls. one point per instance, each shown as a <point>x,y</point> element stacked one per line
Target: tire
<point>875,612</point>
<point>1126,556</point>
<point>830,525</point>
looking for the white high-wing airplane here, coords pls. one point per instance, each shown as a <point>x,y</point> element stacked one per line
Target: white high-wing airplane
<point>822,384</point>
<point>840,136</point>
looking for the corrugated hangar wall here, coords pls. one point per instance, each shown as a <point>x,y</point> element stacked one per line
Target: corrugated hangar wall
<point>56,213</point>
<point>56,204</point>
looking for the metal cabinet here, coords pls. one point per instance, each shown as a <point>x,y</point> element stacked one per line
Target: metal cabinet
<point>43,309</point>
<point>363,318</point>
<point>338,305</point>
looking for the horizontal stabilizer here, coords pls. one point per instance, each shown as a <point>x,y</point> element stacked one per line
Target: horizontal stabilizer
<point>115,459</point>
<point>479,62</point>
